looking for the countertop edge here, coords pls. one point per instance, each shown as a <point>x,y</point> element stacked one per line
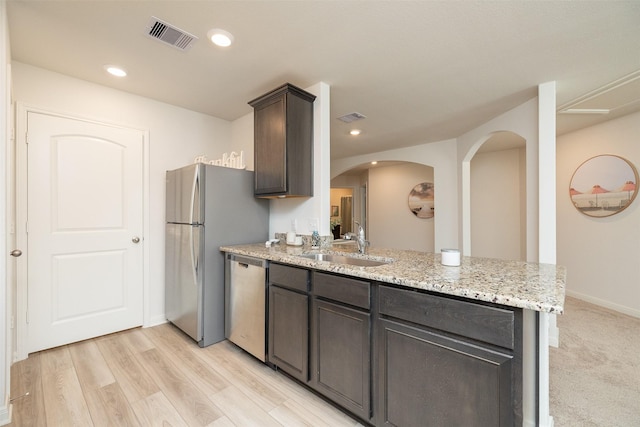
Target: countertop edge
<point>524,289</point>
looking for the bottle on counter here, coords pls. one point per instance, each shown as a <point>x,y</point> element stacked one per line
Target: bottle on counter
<point>315,239</point>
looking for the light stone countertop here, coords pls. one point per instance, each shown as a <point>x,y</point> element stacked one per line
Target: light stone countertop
<point>533,286</point>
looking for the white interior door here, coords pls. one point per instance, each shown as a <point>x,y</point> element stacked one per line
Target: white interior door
<point>85,224</point>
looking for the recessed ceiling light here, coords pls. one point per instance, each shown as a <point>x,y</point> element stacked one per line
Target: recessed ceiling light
<point>115,70</point>
<point>374,162</point>
<point>355,132</point>
<point>220,37</point>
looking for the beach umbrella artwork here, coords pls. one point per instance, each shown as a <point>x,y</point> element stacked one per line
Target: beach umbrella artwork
<point>421,200</point>
<point>603,185</point>
<point>628,186</point>
<point>596,189</point>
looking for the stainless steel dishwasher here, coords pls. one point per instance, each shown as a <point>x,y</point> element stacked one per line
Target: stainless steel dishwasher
<point>245,303</point>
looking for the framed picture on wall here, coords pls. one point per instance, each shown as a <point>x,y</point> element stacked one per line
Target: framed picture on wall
<point>421,200</point>
<point>335,211</point>
<point>603,185</point>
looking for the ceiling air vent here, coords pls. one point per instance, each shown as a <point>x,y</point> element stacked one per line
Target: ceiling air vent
<point>352,117</point>
<point>169,34</point>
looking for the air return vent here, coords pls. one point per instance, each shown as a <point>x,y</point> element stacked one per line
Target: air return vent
<point>617,95</point>
<point>169,34</point>
<point>352,117</point>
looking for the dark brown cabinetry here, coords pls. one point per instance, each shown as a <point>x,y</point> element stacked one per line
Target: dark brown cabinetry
<point>394,356</point>
<point>289,320</point>
<point>341,343</point>
<point>447,361</point>
<point>283,143</point>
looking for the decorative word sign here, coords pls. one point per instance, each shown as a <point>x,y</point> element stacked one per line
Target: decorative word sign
<point>233,160</point>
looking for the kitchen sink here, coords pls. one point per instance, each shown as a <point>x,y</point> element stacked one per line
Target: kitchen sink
<point>342,259</point>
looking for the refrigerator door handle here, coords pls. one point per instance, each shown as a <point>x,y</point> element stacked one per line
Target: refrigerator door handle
<point>195,198</point>
<point>195,252</point>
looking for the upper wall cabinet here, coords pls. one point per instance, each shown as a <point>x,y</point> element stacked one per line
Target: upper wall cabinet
<point>283,143</point>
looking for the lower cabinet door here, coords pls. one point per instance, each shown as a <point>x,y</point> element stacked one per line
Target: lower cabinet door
<point>430,379</point>
<point>341,356</point>
<point>289,332</point>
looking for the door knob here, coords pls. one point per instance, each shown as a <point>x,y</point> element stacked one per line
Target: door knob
<point>16,253</point>
<point>136,239</point>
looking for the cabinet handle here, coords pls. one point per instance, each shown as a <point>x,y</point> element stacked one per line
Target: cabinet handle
<point>16,253</point>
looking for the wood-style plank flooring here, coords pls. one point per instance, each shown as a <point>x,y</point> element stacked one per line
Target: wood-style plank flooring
<point>159,377</point>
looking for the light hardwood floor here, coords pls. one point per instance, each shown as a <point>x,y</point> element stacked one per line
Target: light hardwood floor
<point>159,377</point>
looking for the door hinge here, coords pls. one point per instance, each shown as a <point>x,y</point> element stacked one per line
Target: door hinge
<point>26,138</point>
<point>26,227</point>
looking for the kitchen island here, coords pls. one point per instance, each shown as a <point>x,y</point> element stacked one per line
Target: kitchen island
<point>410,341</point>
<point>533,286</point>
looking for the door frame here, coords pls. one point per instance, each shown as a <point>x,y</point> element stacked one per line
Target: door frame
<point>22,110</point>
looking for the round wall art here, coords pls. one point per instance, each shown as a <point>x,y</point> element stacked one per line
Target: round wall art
<point>603,185</point>
<point>421,200</point>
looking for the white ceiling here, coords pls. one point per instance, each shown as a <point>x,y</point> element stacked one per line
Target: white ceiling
<point>421,71</point>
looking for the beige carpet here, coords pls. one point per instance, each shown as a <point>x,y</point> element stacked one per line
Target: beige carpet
<point>595,373</point>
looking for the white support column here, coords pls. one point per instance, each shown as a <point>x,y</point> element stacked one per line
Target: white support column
<point>547,229</point>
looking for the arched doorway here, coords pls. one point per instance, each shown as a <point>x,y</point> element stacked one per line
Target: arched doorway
<point>498,204</point>
<point>381,203</point>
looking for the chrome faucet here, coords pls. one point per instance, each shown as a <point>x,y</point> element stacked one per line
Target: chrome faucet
<point>360,239</point>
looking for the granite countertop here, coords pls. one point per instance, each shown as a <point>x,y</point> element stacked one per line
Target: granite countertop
<point>533,286</point>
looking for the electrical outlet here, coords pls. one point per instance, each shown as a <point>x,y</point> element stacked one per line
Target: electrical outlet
<point>314,224</point>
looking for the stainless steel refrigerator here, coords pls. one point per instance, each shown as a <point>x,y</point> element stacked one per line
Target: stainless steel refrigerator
<point>206,207</point>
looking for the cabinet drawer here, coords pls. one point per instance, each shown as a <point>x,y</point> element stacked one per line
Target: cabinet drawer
<point>289,277</point>
<point>343,289</point>
<point>488,324</point>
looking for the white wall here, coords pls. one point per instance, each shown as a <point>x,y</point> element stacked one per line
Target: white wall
<point>601,254</point>
<point>242,138</point>
<point>176,137</point>
<point>498,202</point>
<point>391,223</point>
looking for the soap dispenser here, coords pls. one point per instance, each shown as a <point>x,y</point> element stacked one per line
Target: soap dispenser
<point>315,239</point>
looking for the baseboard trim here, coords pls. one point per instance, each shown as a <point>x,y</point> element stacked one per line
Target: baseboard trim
<point>155,321</point>
<point>604,303</point>
<point>5,413</point>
